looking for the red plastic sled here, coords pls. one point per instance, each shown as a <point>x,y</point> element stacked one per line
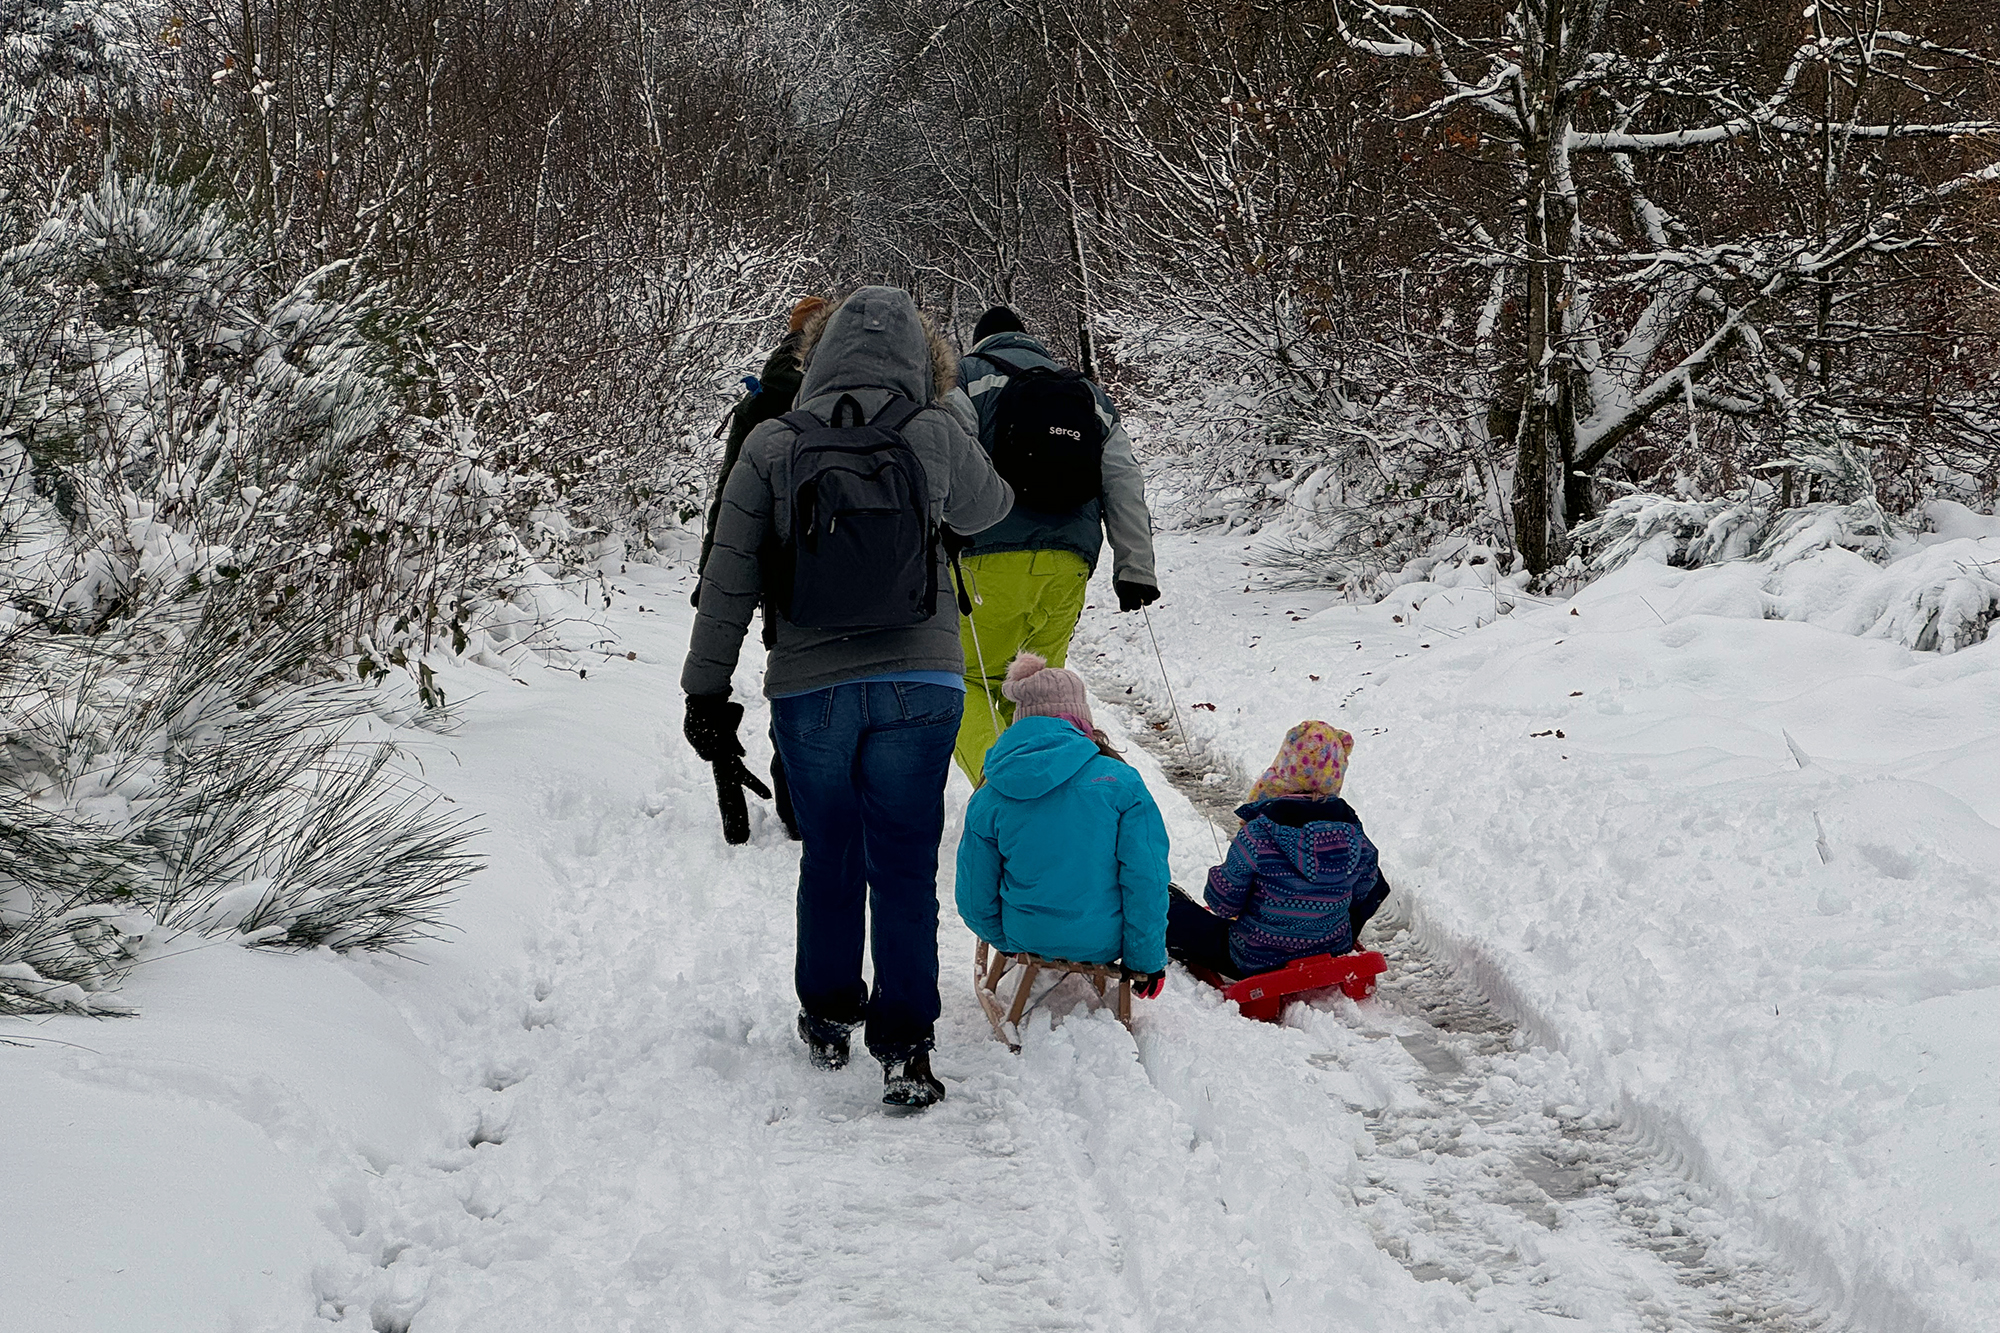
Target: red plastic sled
<point>1263,996</point>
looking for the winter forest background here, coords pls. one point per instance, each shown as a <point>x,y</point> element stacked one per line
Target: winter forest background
<point>335,336</point>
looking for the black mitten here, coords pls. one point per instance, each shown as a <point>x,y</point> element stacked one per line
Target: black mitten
<point>731,777</point>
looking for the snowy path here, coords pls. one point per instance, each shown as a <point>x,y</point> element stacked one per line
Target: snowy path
<point>1736,876</point>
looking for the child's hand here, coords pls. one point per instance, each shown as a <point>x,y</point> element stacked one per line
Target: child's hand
<point>1147,985</point>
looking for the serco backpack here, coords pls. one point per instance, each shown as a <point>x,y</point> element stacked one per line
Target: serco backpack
<point>1048,441</point>
<point>861,552</point>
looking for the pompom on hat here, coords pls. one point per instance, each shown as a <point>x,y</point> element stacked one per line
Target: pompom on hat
<point>1040,690</point>
<point>1311,762</point>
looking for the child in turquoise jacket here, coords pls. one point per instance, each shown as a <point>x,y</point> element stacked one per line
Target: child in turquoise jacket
<point>1064,853</point>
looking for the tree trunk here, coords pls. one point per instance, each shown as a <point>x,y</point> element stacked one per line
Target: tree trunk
<point>1534,437</point>
<point>1531,441</point>
<point>1086,350</point>
<point>1545,493</point>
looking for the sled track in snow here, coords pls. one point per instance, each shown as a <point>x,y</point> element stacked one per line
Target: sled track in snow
<point>1485,1171</point>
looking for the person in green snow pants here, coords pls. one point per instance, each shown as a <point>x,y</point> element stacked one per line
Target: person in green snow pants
<point>1027,574</point>
<point>1023,602</point>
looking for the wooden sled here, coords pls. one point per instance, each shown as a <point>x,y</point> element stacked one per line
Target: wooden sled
<point>987,974</point>
<point>1263,996</point>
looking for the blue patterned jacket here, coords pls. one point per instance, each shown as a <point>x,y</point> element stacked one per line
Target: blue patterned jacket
<point>1294,872</point>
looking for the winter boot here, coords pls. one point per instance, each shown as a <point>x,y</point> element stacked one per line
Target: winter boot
<point>826,1041</point>
<point>911,1084</point>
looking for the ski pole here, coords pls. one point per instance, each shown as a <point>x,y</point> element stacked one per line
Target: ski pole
<point>1187,746</point>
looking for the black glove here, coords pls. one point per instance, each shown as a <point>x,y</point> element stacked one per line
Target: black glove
<point>1132,596</point>
<point>734,770</point>
<point>1147,985</point>
<point>731,777</point>
<point>710,727</point>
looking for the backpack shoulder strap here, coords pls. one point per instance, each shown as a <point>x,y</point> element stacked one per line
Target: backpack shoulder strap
<point>898,413</point>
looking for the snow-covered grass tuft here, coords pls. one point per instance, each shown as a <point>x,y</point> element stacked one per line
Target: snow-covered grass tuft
<point>61,885</point>
<point>363,862</point>
<point>1299,560</point>
<point>189,774</point>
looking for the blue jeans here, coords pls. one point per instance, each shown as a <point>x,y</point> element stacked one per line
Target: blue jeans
<point>867,763</point>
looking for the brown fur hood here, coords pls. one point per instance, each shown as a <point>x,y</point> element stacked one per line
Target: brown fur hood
<point>875,338</point>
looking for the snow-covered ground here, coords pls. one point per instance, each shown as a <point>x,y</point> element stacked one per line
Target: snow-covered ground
<point>1736,1061</point>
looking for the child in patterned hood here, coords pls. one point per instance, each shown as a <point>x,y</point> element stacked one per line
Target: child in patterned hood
<point>1300,878</point>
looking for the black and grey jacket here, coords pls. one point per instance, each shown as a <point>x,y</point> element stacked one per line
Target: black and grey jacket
<point>1120,515</point>
<point>779,386</point>
<point>873,346</point>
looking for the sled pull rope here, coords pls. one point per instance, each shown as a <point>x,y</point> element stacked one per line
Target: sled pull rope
<point>1187,746</point>
<point>972,599</point>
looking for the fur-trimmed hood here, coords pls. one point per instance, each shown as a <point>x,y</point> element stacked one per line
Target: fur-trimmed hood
<point>875,338</point>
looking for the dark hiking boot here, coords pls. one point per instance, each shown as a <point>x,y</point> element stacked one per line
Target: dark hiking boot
<point>826,1042</point>
<point>911,1084</point>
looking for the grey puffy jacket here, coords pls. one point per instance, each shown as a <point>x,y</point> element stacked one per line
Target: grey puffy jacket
<point>873,347</point>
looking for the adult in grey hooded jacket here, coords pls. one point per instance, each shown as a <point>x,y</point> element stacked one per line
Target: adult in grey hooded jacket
<point>864,719</point>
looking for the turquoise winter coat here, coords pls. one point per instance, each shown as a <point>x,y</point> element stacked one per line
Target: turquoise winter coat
<point>1064,853</point>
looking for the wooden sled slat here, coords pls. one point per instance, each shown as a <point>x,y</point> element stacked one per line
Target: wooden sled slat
<point>990,968</point>
<point>985,985</point>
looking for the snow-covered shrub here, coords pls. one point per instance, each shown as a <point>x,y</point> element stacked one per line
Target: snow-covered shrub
<point>223,497</point>
<point>172,415</point>
<point>623,450</point>
<point>65,44</point>
<point>1449,562</point>
<point>174,775</point>
<point>207,424</point>
<point>1752,522</point>
<point>1674,531</point>
<point>1842,562</point>
<point>1351,472</point>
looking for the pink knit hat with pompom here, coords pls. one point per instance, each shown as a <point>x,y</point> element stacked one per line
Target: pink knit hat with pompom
<point>1040,690</point>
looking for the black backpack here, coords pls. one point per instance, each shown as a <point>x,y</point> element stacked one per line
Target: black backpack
<point>1048,441</point>
<point>861,552</point>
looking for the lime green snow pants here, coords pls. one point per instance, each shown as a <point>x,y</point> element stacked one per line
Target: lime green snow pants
<point>1022,601</point>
